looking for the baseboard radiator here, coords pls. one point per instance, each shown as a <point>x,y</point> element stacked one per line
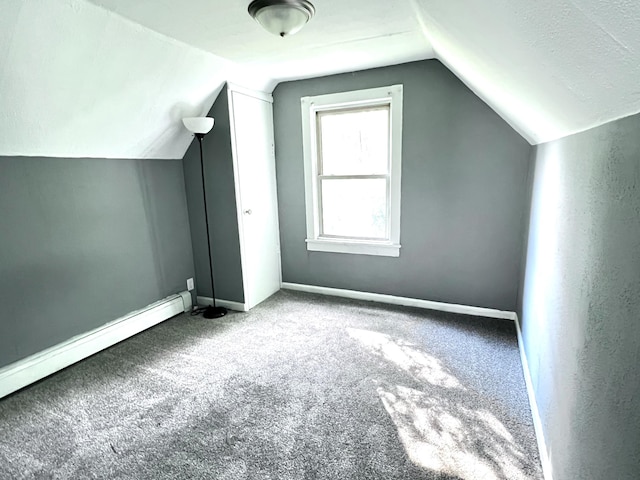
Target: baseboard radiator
<point>42,364</point>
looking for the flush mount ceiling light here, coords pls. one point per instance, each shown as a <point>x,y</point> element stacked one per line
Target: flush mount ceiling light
<point>282,17</point>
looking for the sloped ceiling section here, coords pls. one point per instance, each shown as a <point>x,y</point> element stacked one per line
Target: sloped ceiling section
<point>549,67</point>
<point>112,78</point>
<point>79,81</point>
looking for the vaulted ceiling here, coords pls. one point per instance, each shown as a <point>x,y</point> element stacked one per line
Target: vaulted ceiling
<point>112,78</point>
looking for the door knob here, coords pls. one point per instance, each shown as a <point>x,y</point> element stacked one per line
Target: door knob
<point>248,211</point>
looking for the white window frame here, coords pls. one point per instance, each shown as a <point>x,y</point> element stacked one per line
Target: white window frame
<point>390,95</point>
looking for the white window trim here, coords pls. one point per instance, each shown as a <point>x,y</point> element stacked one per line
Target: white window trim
<point>360,98</point>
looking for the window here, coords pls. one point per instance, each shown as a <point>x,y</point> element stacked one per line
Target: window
<point>352,145</point>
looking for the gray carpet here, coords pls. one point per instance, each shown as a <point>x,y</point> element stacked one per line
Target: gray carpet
<point>301,387</point>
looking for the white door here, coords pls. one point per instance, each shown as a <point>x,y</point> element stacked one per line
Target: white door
<point>254,163</point>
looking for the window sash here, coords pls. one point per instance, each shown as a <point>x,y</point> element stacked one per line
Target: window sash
<point>386,106</point>
<point>338,110</point>
<point>320,211</point>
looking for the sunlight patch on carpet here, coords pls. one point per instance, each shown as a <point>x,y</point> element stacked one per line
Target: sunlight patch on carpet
<point>407,357</point>
<point>438,423</point>
<point>452,439</point>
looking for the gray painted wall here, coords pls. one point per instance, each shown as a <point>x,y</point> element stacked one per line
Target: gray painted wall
<point>86,241</point>
<point>221,205</point>
<point>463,181</point>
<point>581,301</point>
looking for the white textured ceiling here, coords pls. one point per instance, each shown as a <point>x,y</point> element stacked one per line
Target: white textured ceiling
<point>342,36</point>
<point>549,67</point>
<point>111,78</point>
<point>77,81</point>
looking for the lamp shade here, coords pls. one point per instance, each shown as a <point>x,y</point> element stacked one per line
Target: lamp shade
<point>200,125</point>
<point>282,17</point>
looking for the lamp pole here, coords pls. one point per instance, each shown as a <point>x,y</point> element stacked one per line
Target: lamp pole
<point>212,311</point>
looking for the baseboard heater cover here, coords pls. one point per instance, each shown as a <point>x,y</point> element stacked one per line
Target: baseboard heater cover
<point>24,372</point>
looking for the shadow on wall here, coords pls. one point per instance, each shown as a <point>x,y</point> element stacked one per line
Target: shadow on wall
<point>153,216</point>
<point>441,426</point>
<point>164,205</point>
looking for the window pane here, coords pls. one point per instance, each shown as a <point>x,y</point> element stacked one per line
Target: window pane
<point>355,207</point>
<point>354,142</point>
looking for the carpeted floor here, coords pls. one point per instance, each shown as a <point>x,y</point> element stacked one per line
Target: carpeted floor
<point>301,387</point>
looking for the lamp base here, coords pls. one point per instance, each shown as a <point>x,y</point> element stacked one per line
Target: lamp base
<point>214,312</point>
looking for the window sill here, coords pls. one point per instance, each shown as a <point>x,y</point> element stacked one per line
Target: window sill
<point>354,247</point>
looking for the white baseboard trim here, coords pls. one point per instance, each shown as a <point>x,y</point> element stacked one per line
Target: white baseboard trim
<point>405,301</point>
<point>237,306</point>
<point>24,372</point>
<point>535,413</point>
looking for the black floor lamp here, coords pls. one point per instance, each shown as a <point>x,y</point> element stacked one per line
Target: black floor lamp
<point>200,126</point>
